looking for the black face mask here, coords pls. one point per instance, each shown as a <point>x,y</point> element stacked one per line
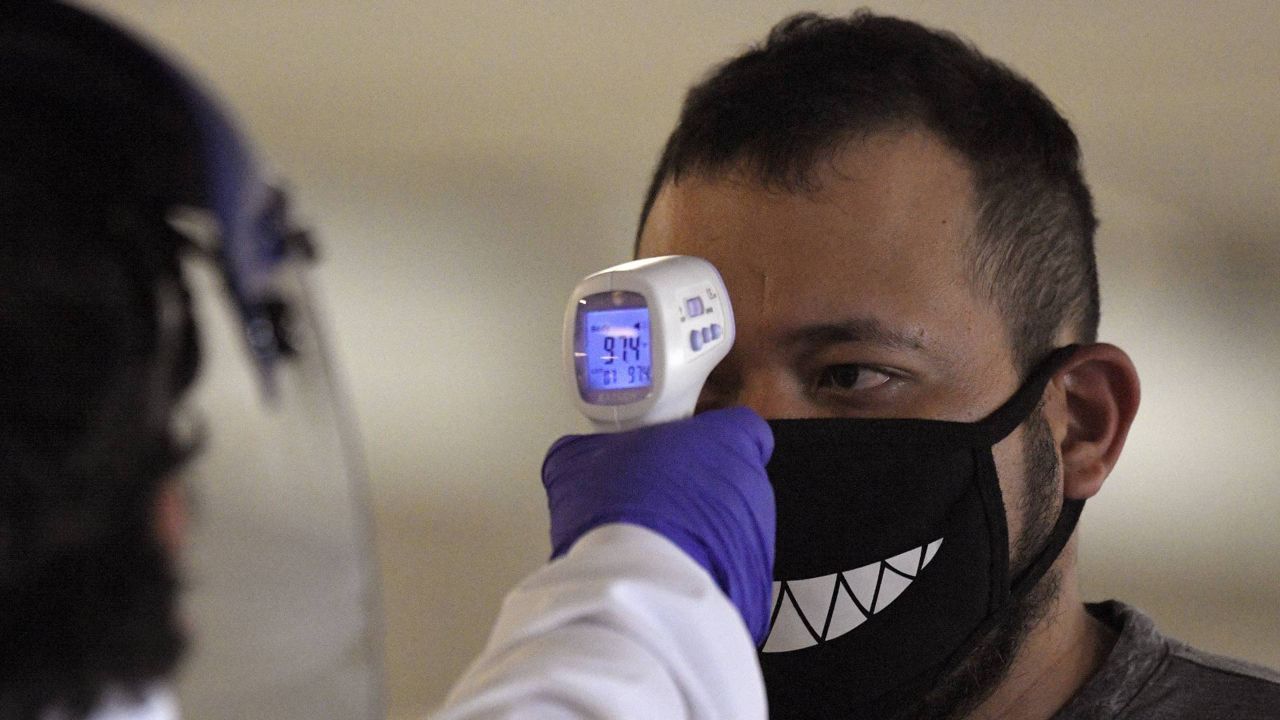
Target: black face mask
<point>892,555</point>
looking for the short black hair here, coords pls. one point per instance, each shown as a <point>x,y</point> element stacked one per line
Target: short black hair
<point>95,145</point>
<point>817,83</point>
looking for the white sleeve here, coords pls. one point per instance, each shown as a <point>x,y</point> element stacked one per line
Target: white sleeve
<point>625,626</point>
<point>155,703</point>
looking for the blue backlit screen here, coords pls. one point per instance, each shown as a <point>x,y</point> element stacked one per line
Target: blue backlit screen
<point>618,350</point>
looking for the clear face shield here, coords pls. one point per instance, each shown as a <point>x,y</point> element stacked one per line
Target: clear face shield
<point>279,565</point>
<point>281,580</point>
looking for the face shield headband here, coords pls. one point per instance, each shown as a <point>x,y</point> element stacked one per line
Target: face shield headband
<point>255,236</point>
<point>892,555</point>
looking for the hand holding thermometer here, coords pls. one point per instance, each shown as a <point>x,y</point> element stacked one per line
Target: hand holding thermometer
<point>640,339</point>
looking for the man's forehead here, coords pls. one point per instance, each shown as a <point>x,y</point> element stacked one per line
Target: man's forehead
<point>880,205</point>
<point>879,241</point>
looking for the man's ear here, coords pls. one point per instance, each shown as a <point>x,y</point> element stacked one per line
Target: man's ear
<point>1100,387</point>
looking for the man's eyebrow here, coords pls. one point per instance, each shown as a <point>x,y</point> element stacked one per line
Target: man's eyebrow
<point>857,330</point>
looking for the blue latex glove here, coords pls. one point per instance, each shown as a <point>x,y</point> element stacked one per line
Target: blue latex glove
<point>701,483</point>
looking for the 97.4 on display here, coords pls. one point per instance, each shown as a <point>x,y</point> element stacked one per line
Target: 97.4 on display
<point>618,349</point>
<point>641,337</point>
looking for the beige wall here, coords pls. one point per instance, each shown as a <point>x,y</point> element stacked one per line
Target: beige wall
<point>465,162</point>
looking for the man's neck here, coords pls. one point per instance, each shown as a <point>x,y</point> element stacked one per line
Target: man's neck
<point>1056,659</point>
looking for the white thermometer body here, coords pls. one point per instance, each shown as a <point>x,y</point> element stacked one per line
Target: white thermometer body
<point>640,339</point>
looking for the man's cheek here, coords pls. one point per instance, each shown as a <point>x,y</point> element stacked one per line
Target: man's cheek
<point>1011,469</point>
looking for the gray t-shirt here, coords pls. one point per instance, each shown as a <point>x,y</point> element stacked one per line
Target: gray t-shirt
<point>1148,676</point>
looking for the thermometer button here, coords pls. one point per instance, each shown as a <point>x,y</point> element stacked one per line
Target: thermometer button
<point>706,335</point>
<point>695,340</point>
<point>715,331</point>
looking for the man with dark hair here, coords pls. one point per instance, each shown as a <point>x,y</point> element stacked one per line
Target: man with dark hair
<point>907,236</point>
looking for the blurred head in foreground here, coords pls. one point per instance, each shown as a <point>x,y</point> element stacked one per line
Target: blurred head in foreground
<point>101,144</point>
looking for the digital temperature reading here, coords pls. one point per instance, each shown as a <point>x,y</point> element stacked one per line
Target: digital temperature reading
<point>641,338</point>
<point>618,349</point>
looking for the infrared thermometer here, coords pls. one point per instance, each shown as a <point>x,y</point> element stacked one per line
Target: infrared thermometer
<point>640,339</point>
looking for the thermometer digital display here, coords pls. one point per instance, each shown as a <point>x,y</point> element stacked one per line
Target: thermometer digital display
<point>641,337</point>
<point>617,347</point>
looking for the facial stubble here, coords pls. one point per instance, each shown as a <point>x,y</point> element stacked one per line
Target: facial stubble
<point>962,689</point>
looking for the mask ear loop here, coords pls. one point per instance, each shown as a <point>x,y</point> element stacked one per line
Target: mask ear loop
<point>1006,418</point>
<point>1003,421</point>
<point>1000,424</point>
<point>1053,545</point>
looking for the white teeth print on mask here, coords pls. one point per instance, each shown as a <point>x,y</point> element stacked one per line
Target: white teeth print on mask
<point>816,610</point>
<point>854,492</point>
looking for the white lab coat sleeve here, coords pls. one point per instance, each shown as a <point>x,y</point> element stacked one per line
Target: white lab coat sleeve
<point>623,627</point>
<point>155,703</point>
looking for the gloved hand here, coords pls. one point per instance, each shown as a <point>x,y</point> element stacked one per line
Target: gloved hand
<point>701,483</point>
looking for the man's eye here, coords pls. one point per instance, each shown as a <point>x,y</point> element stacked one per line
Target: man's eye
<point>849,378</point>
